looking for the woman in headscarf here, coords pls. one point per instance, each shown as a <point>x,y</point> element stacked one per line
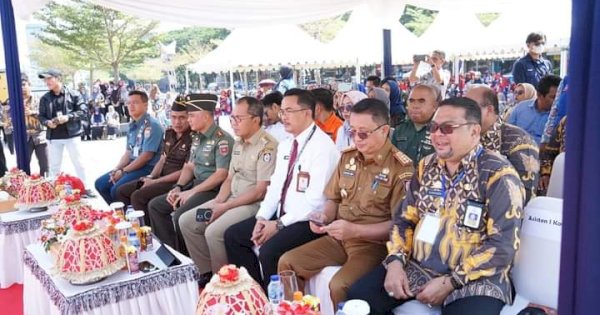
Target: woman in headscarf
<point>523,92</point>
<point>343,139</point>
<point>286,81</point>
<point>380,94</point>
<point>112,123</point>
<point>98,122</point>
<point>397,110</point>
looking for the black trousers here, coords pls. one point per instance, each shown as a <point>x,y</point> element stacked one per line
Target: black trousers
<point>370,289</point>
<point>165,221</point>
<point>239,247</point>
<point>41,153</point>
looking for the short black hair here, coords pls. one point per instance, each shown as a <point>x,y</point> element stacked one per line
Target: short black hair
<point>535,37</point>
<point>305,99</point>
<point>376,108</point>
<point>272,98</point>
<point>472,109</point>
<point>375,79</point>
<point>548,81</point>
<point>325,97</point>
<point>255,107</point>
<point>141,94</point>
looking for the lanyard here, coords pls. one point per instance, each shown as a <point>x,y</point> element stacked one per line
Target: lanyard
<point>138,138</point>
<point>291,169</point>
<point>458,178</point>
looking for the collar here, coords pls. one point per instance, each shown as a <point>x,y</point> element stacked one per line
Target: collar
<point>254,139</point>
<point>301,138</point>
<point>466,161</point>
<point>211,131</point>
<point>491,139</point>
<point>137,123</point>
<point>414,125</point>
<point>381,157</point>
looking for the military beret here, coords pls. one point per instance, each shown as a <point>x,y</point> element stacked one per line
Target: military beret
<point>179,104</point>
<point>201,102</point>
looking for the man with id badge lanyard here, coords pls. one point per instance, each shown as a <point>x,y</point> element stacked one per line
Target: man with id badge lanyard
<point>144,140</point>
<point>304,165</point>
<point>455,235</point>
<point>366,187</point>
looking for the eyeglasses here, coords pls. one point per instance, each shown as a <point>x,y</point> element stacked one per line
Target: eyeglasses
<point>238,119</point>
<point>519,92</point>
<point>362,135</point>
<point>446,128</point>
<point>346,108</point>
<point>287,111</point>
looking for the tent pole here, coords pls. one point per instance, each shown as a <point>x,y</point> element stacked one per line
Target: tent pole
<point>13,76</point>
<point>232,88</point>
<point>187,80</point>
<point>387,53</point>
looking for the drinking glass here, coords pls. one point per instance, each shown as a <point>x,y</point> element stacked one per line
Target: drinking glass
<point>289,284</point>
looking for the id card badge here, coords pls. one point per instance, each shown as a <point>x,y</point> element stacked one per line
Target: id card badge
<point>473,215</point>
<point>429,229</point>
<point>303,181</point>
<point>136,152</point>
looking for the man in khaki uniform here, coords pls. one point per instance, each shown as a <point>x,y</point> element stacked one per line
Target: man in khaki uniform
<point>251,167</point>
<point>366,188</point>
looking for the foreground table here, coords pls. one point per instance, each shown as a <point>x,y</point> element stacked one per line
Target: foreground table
<point>169,290</point>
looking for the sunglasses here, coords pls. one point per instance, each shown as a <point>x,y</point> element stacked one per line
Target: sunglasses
<point>519,92</point>
<point>362,135</point>
<point>346,108</point>
<point>446,128</point>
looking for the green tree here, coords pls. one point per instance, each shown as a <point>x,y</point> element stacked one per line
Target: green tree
<point>99,35</point>
<point>417,19</point>
<point>47,56</point>
<point>325,30</point>
<point>487,18</point>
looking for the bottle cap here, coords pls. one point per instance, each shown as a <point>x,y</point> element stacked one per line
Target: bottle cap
<point>275,278</point>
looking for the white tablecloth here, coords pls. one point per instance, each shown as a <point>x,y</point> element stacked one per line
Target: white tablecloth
<point>172,290</point>
<point>17,230</point>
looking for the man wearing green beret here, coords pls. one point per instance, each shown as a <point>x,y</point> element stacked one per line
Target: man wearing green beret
<point>201,176</point>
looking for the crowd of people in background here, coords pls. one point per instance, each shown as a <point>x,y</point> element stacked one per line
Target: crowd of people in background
<point>319,177</point>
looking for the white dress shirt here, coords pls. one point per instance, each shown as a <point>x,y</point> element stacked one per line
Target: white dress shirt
<point>278,132</point>
<point>319,159</point>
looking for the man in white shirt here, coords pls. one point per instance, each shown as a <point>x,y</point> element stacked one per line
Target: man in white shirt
<point>436,75</point>
<point>304,165</point>
<point>272,122</point>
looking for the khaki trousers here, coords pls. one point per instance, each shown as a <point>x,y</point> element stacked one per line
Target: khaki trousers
<point>206,243</point>
<point>356,257</point>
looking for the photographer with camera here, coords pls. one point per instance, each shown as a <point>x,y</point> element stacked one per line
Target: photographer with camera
<point>428,70</point>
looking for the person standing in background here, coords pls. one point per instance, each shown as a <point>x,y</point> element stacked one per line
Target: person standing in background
<point>36,133</point>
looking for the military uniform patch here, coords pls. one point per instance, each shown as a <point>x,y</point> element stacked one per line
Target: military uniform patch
<point>223,147</point>
<point>267,157</point>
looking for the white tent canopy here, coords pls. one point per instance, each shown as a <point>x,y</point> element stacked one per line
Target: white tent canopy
<point>247,48</point>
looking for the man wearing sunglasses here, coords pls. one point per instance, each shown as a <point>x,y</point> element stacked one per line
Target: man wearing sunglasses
<point>411,136</point>
<point>456,233</point>
<point>304,164</point>
<point>532,67</point>
<point>251,167</point>
<point>511,141</point>
<point>366,187</point>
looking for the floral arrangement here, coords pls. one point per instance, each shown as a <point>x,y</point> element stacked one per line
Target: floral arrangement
<point>83,226</point>
<point>13,181</point>
<point>53,231</point>
<point>309,305</point>
<point>36,192</point>
<point>66,185</point>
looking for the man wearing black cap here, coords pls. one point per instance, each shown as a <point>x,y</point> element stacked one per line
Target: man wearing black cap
<point>176,151</point>
<point>142,153</point>
<point>200,178</point>
<point>62,110</point>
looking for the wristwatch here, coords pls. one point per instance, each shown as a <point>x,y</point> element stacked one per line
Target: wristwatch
<point>178,186</point>
<point>391,258</point>
<point>280,225</point>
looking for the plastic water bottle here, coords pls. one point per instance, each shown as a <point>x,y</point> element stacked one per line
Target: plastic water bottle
<point>128,211</point>
<point>275,290</point>
<point>134,241</point>
<point>340,309</point>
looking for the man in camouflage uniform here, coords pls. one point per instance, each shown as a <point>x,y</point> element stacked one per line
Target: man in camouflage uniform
<point>200,178</point>
<point>456,234</point>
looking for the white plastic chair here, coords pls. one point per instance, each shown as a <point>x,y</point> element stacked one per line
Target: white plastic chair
<point>537,264</point>
<point>557,178</point>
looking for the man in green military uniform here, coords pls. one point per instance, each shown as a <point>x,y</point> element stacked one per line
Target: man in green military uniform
<point>252,164</point>
<point>411,135</point>
<point>200,178</point>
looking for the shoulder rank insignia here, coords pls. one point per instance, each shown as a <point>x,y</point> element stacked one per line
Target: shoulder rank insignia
<point>403,159</point>
<point>349,149</point>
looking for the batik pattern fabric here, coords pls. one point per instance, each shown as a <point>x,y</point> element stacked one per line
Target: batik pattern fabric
<point>519,148</point>
<point>554,147</point>
<point>479,258</point>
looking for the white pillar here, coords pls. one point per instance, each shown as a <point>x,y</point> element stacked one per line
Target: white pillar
<point>232,88</point>
<point>564,62</point>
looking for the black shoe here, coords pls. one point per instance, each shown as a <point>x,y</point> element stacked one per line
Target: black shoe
<point>204,279</point>
<point>88,193</point>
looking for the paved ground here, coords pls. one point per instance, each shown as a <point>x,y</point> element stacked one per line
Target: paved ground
<point>99,156</point>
